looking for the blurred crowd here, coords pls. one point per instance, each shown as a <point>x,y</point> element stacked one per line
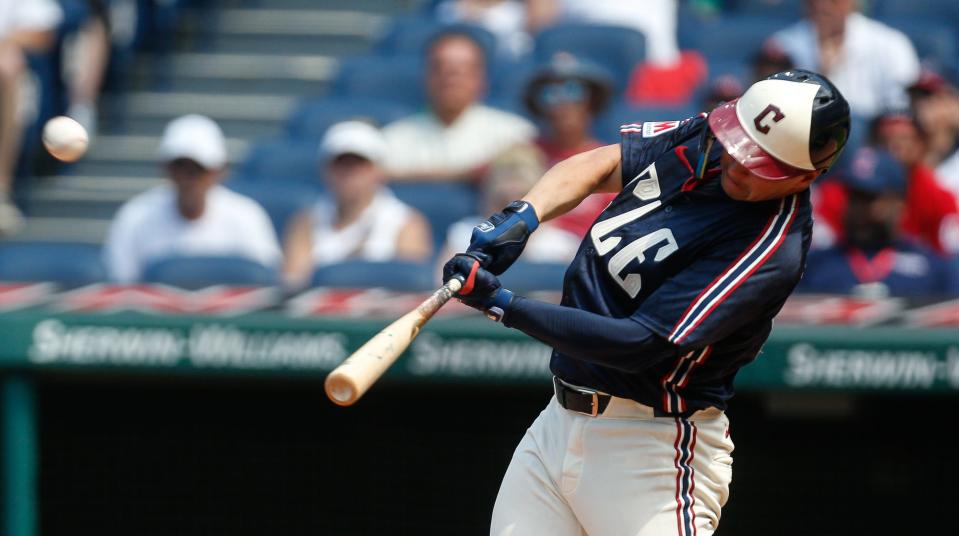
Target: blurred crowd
<point>485,95</point>
<point>56,57</point>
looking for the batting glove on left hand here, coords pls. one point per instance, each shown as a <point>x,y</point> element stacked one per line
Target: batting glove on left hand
<point>481,289</point>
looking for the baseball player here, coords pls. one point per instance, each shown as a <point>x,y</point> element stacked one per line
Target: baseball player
<point>673,289</point>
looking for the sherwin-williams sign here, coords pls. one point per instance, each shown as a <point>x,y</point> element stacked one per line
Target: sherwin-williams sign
<point>465,349</point>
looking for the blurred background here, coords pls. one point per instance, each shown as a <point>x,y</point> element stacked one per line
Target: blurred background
<point>269,182</point>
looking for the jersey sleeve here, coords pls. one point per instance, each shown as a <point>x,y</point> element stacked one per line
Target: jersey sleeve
<point>713,297</point>
<point>642,143</point>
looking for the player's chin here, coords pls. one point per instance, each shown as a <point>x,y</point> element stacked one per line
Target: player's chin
<point>736,190</point>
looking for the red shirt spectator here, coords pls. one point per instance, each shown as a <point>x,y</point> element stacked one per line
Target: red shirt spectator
<point>929,213</point>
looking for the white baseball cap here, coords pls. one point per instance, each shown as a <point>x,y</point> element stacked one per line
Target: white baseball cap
<point>786,125</point>
<point>353,137</point>
<point>196,137</point>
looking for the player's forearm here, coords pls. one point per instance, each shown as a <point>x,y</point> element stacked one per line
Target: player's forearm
<point>619,343</point>
<point>567,183</point>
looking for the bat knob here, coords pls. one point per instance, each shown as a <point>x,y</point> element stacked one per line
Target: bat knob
<point>340,391</point>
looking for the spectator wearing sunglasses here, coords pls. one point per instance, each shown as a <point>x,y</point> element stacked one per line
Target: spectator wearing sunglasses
<point>565,96</point>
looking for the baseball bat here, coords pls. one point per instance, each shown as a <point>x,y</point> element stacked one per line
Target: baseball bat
<point>354,376</point>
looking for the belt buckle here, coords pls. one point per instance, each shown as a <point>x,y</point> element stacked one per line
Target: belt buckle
<point>594,404</point>
<point>594,397</point>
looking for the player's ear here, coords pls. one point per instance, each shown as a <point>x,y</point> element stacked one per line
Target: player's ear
<point>811,176</point>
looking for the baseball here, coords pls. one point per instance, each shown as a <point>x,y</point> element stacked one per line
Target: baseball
<point>65,139</point>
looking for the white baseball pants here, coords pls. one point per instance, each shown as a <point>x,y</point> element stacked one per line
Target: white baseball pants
<point>623,473</point>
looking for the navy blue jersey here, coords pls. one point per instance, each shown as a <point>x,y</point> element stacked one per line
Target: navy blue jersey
<point>680,257</point>
<point>906,269</point>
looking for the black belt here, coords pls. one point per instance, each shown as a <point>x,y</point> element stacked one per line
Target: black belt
<point>580,399</point>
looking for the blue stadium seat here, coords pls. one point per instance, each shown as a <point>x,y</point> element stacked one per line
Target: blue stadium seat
<point>616,49</point>
<point>392,79</point>
<point>281,160</point>
<point>531,276</point>
<point>311,118</point>
<point>943,10</point>
<point>508,80</point>
<point>442,203</point>
<point>393,275</point>
<point>67,263</point>
<point>781,8</point>
<point>281,200</point>
<point>191,272</point>
<point>411,34</point>
<point>732,37</point>
<point>933,38</point>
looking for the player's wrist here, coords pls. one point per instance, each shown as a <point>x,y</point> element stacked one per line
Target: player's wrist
<point>526,212</point>
<point>498,305</point>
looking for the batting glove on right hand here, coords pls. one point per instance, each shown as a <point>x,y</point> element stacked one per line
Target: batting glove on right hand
<point>481,289</point>
<point>500,240</point>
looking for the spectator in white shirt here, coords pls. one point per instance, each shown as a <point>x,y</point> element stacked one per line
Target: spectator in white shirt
<point>363,220</point>
<point>25,26</point>
<point>506,19</point>
<point>457,135</point>
<point>871,63</point>
<point>193,215</point>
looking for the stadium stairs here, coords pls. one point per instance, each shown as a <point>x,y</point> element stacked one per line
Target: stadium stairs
<point>245,63</point>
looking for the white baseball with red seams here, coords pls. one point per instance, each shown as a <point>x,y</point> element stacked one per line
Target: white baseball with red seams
<point>65,139</point>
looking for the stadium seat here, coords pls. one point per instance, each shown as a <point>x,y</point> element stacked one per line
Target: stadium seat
<point>68,263</point>
<point>732,36</point>
<point>311,118</point>
<point>393,275</point>
<point>616,49</point>
<point>533,276</point>
<point>411,34</point>
<point>442,203</point>
<point>781,8</point>
<point>943,10</point>
<point>281,200</point>
<point>281,160</point>
<point>199,272</point>
<point>396,79</point>
<point>508,80</point>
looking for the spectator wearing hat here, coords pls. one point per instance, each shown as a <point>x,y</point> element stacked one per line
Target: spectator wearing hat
<point>936,103</point>
<point>26,26</point>
<point>191,215</point>
<point>874,259</point>
<point>457,135</point>
<point>363,220</point>
<point>931,213</point>
<point>870,62</point>
<point>565,96</point>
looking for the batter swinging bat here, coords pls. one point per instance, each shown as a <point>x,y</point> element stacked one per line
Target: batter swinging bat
<point>349,381</point>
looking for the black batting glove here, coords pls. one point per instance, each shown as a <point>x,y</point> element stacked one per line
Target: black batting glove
<point>500,240</point>
<point>481,289</point>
